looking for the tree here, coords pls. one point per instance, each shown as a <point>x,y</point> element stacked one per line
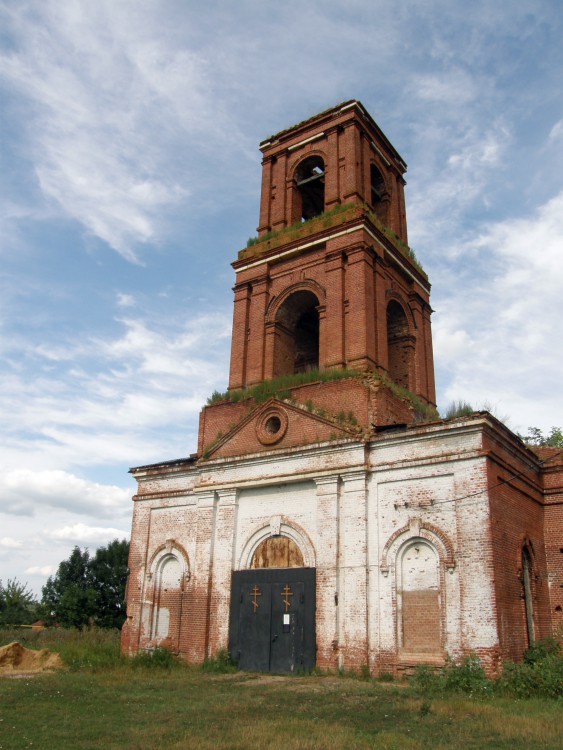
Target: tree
<point>69,596</point>
<point>109,571</point>
<point>536,437</point>
<point>17,604</point>
<point>89,590</point>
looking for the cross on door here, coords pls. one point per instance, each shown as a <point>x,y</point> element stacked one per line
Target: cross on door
<point>286,593</point>
<point>255,594</point>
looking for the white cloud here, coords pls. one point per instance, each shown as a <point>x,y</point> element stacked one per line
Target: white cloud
<point>118,400</point>
<point>164,354</point>
<point>80,533</point>
<point>452,177</point>
<point>102,117</point>
<point>23,491</point>
<point>479,150</point>
<point>135,122</point>
<point>10,543</point>
<point>41,570</point>
<point>450,88</point>
<point>450,342</point>
<point>512,311</point>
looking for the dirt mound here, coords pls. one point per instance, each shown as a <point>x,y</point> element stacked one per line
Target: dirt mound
<point>15,659</point>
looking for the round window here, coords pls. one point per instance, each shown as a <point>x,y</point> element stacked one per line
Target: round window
<point>271,426</point>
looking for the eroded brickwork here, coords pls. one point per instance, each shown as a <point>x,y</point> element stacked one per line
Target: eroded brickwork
<point>427,539</point>
<point>414,557</point>
<point>552,481</point>
<point>350,264</point>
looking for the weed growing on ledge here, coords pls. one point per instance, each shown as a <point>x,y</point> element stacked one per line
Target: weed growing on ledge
<point>280,387</point>
<point>423,412</point>
<point>328,218</point>
<point>458,408</point>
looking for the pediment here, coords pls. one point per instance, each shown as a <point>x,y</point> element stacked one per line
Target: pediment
<point>274,425</point>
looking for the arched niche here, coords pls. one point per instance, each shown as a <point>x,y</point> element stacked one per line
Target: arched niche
<point>169,572</point>
<point>419,605</point>
<point>418,555</point>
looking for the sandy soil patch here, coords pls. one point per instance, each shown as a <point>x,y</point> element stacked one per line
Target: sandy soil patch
<point>15,659</point>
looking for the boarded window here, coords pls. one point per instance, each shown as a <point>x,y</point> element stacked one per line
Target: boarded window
<point>419,590</point>
<point>277,552</point>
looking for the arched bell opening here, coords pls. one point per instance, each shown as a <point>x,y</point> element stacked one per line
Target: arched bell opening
<point>296,347</point>
<point>399,344</point>
<point>309,192</point>
<point>379,195</point>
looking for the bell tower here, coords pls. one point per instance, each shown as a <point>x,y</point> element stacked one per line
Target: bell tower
<point>329,292</point>
<point>330,281</point>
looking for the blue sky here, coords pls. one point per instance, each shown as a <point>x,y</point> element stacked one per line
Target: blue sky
<point>130,177</point>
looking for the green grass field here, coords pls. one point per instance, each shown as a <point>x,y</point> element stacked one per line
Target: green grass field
<point>104,701</point>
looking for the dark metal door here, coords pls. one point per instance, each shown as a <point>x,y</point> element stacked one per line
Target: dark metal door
<point>286,627</point>
<point>272,626</point>
<point>254,627</point>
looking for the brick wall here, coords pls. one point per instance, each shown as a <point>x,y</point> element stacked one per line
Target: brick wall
<point>351,277</point>
<point>349,264</point>
<point>349,142</point>
<point>517,522</point>
<point>552,476</point>
<point>345,408</point>
<point>362,505</point>
<point>353,509</point>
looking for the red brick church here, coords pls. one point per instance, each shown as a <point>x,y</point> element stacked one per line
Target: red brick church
<point>329,517</point>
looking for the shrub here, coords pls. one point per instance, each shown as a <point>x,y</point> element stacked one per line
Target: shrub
<point>221,663</point>
<point>17,604</point>
<point>539,675</point>
<point>280,387</point>
<point>541,650</point>
<point>425,679</point>
<point>465,676</point>
<point>158,658</point>
<point>542,679</point>
<point>386,677</point>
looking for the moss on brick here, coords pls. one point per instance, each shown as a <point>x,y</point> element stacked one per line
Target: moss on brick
<point>340,214</point>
